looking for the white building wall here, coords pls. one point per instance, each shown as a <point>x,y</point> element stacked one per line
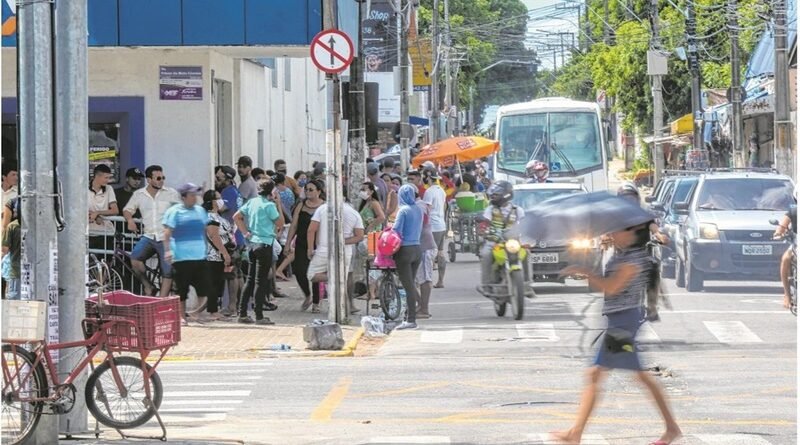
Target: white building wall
<point>181,135</point>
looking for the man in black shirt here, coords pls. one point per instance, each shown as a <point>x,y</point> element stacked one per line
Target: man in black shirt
<point>133,182</point>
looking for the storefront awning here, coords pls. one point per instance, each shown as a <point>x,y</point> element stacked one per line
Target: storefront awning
<point>684,125</point>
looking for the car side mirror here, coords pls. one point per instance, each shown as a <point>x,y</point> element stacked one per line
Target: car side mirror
<point>774,222</point>
<point>659,207</point>
<point>682,208</point>
<point>649,199</point>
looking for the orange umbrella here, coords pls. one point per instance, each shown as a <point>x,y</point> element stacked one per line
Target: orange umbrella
<point>457,149</point>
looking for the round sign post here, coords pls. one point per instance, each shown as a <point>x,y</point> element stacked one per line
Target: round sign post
<point>332,51</point>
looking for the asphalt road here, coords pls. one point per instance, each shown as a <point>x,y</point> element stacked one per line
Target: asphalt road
<point>727,357</point>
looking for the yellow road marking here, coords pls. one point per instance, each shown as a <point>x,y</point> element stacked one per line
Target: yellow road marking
<point>394,392</point>
<point>324,411</point>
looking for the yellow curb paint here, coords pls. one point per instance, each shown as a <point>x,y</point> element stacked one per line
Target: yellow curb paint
<point>350,347</point>
<point>324,411</point>
<point>394,392</point>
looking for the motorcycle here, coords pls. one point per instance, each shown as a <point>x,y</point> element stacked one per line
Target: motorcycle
<point>510,281</point>
<point>791,238</point>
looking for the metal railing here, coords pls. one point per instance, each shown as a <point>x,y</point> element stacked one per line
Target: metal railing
<point>103,246</point>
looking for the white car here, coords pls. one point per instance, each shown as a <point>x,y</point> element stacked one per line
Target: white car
<point>548,259</point>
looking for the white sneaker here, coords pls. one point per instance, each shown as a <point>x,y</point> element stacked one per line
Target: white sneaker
<point>407,325</point>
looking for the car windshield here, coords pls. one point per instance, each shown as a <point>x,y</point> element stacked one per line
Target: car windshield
<point>528,199</point>
<point>745,194</point>
<point>567,141</point>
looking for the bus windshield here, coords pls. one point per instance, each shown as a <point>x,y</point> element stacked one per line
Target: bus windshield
<point>568,141</point>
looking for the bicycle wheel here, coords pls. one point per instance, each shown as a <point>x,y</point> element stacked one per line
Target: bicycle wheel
<point>21,381</point>
<point>122,409</point>
<point>389,296</point>
<point>110,280</point>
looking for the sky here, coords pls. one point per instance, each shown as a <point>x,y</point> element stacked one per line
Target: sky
<point>540,26</point>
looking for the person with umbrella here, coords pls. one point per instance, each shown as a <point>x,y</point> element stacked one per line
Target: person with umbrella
<point>624,284</point>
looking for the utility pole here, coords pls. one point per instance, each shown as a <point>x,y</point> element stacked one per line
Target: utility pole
<point>405,130</point>
<point>435,131</point>
<point>356,168</point>
<point>39,264</point>
<point>694,70</point>
<point>448,75</point>
<point>783,124</point>
<point>658,108</point>
<point>72,145</point>
<point>736,87</point>
<point>337,310</point>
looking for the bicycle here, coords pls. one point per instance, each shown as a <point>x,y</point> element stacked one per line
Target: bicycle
<point>388,293</point>
<point>122,392</point>
<point>121,267</point>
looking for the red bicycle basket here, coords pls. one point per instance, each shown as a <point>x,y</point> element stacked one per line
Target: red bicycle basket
<point>157,321</point>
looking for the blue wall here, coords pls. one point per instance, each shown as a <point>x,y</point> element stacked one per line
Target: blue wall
<point>199,22</point>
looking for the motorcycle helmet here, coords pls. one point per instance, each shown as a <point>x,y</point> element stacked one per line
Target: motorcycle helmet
<point>389,243</point>
<point>629,191</point>
<point>500,193</point>
<point>537,170</point>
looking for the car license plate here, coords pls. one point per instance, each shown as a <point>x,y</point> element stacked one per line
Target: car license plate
<point>749,249</point>
<point>546,258</point>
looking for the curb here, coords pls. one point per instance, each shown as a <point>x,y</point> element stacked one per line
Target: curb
<point>349,348</point>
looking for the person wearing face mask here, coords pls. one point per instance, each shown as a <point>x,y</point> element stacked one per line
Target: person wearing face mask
<point>219,234</point>
<point>370,208</point>
<point>301,179</point>
<point>223,182</point>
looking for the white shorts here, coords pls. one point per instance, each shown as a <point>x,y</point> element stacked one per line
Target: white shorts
<point>425,271</point>
<point>319,263</point>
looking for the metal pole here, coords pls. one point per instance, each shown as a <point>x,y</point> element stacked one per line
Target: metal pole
<point>336,279</point>
<point>39,247</point>
<point>736,88</point>
<point>356,169</point>
<point>694,69</point>
<point>434,123</point>
<point>448,79</point>
<point>658,108</point>
<point>405,130</point>
<point>72,145</point>
<point>783,124</point>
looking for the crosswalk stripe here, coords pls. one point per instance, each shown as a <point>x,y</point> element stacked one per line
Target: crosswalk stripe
<point>537,332</point>
<point>731,332</point>
<point>173,394</point>
<point>648,334</point>
<point>215,364</point>
<point>217,409</point>
<point>197,418</point>
<point>192,385</point>
<point>185,402</point>
<point>443,337</point>
<point>410,439</point>
<point>731,439</point>
<point>169,371</point>
<point>587,439</point>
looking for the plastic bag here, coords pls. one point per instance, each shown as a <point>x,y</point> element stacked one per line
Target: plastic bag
<point>373,326</point>
<point>323,335</point>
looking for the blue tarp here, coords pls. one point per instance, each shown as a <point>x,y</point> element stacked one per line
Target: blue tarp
<point>762,61</point>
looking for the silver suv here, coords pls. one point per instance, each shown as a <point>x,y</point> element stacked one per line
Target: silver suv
<point>726,234</point>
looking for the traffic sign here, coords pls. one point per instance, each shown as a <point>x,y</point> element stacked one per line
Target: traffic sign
<point>332,51</point>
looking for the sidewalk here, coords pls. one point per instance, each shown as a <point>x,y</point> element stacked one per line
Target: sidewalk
<point>230,340</point>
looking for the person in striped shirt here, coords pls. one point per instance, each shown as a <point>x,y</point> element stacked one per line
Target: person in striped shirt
<point>624,285</point>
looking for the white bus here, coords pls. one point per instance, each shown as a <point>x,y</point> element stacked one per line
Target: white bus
<point>565,134</point>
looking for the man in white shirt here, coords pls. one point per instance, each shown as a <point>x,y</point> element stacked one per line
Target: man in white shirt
<point>353,232</point>
<point>102,202</point>
<point>436,198</point>
<point>152,202</point>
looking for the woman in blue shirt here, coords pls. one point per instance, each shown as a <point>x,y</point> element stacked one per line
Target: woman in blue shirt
<point>259,220</point>
<point>409,225</point>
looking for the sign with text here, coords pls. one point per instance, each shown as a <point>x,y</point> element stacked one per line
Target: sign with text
<point>180,82</point>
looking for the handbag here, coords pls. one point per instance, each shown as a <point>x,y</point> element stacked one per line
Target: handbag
<point>618,340</point>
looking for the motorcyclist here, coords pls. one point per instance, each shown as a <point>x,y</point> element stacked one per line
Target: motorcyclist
<point>537,172</point>
<point>788,221</point>
<point>501,215</point>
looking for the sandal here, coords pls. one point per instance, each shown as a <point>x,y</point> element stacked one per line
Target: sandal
<point>306,304</point>
<point>270,307</point>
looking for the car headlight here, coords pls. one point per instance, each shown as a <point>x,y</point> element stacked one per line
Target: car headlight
<point>581,243</point>
<point>708,231</point>
<point>513,246</point>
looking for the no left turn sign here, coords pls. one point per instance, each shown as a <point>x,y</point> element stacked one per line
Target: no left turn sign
<point>332,51</point>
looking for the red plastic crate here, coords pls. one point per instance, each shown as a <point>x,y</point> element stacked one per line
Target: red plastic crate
<point>157,320</point>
